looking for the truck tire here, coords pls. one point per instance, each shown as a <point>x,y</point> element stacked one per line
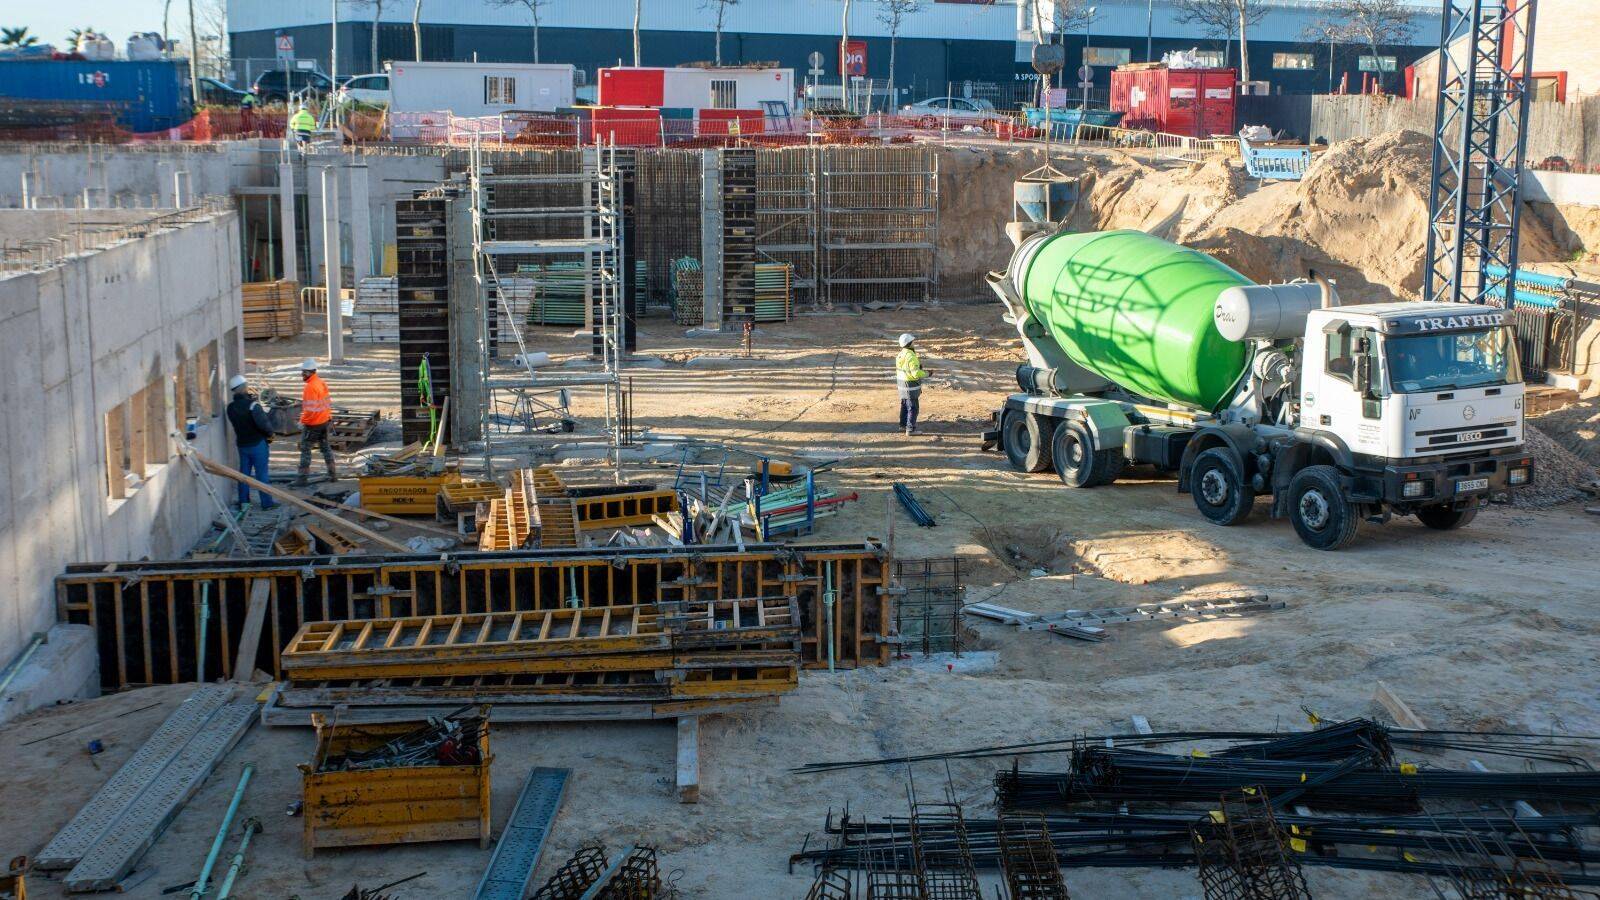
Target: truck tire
<point>1026,437</point>
<point>1322,515</point>
<point>1440,518</point>
<point>1078,463</point>
<point>1221,492</point>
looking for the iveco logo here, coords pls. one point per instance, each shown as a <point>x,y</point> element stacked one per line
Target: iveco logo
<point>1468,413</point>
<point>1467,437</point>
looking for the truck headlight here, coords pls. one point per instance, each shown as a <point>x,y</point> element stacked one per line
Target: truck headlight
<point>1414,489</point>
<point>1518,475</point>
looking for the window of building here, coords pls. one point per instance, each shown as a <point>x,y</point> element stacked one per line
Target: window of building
<point>137,437</point>
<point>1368,63</point>
<point>1211,59</point>
<point>1293,61</point>
<point>724,94</point>
<point>1106,56</point>
<point>500,89</point>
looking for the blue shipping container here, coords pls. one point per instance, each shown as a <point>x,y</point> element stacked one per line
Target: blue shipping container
<point>145,96</point>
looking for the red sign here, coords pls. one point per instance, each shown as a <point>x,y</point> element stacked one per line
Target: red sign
<point>853,58</point>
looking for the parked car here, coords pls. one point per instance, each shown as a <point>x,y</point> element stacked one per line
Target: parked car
<point>275,85</point>
<point>369,90</point>
<point>217,93</point>
<point>957,111</point>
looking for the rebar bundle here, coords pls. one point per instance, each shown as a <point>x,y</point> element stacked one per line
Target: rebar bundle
<point>1028,862</point>
<point>1243,854</point>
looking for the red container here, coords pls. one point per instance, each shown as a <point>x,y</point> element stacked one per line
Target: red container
<point>1190,102</point>
<point>631,87</point>
<point>715,121</point>
<point>629,126</point>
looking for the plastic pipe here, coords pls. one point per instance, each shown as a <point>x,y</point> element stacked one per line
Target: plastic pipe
<point>827,605</point>
<point>200,645</point>
<point>21,661</point>
<point>199,890</point>
<point>251,826</point>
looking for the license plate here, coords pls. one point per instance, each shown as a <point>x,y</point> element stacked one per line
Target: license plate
<point>1472,484</point>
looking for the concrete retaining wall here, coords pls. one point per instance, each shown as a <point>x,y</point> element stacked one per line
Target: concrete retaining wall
<point>77,340</point>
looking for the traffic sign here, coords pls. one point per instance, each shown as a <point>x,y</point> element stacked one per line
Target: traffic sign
<point>285,46</point>
<point>1085,73</point>
<point>1086,84</point>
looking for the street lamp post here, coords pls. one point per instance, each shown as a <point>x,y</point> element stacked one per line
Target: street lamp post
<point>1149,30</point>
<point>1086,70</point>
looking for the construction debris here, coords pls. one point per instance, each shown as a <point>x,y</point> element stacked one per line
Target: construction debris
<point>1085,625</point>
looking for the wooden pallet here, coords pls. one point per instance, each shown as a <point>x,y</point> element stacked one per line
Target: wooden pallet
<point>350,430</point>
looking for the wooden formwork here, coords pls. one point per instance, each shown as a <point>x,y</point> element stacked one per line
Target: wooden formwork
<point>148,622</point>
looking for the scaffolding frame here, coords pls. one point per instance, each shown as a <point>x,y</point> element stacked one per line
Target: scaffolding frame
<point>1485,79</point>
<point>600,246</point>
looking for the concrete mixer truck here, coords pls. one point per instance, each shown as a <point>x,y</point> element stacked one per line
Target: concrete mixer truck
<point>1141,351</point>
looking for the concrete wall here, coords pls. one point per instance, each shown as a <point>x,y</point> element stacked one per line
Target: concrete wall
<point>138,176</point>
<point>76,340</point>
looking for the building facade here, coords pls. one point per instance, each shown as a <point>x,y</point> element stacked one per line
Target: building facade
<point>1565,65</point>
<point>943,46</point>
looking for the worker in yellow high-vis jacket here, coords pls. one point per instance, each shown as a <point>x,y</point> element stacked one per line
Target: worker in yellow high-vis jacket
<point>301,124</point>
<point>908,376</point>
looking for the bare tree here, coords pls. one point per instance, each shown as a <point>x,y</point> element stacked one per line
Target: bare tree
<point>893,13</point>
<point>637,4</point>
<point>1325,31</point>
<point>377,24</point>
<point>719,12</point>
<point>416,29</point>
<point>1065,17</point>
<point>535,9</point>
<point>844,56</point>
<point>1225,19</point>
<point>1373,23</point>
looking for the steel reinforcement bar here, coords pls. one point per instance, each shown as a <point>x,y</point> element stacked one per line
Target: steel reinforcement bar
<point>150,617</point>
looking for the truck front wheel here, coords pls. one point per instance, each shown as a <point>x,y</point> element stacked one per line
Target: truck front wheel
<point>1322,515</point>
<point>1220,490</point>
<point>1442,518</point>
<point>1026,437</point>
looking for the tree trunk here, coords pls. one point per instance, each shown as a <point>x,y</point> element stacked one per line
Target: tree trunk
<point>1377,66</point>
<point>844,57</point>
<point>536,38</point>
<point>894,36</point>
<point>194,56</point>
<point>1244,41</point>
<point>416,28</point>
<point>377,20</point>
<point>166,35</point>
<point>718,58</point>
<point>636,54</point>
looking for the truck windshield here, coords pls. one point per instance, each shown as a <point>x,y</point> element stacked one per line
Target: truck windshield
<point>1456,359</point>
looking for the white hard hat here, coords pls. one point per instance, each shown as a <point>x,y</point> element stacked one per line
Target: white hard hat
<point>310,365</point>
<point>906,339</point>
<point>236,382</point>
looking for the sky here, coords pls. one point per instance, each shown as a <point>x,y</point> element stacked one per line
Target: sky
<point>52,19</point>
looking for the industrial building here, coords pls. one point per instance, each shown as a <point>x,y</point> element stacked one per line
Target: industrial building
<point>944,45</point>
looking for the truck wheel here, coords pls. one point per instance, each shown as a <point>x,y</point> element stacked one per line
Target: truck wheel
<point>1441,518</point>
<point>1322,515</point>
<point>1220,490</point>
<point>1026,439</point>
<point>1077,462</point>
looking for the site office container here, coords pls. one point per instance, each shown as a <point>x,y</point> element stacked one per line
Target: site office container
<point>716,121</point>
<point>480,89</point>
<point>629,126</point>
<point>727,87</point>
<point>143,96</point>
<point>1190,102</point>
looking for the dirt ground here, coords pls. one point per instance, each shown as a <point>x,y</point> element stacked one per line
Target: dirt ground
<point>1490,627</point>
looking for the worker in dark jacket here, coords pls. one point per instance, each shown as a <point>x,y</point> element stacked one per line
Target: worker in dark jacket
<point>252,434</point>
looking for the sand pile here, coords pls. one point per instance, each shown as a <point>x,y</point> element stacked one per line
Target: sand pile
<point>1559,474</point>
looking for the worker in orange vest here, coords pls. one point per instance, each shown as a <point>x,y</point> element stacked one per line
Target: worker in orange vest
<point>316,411</point>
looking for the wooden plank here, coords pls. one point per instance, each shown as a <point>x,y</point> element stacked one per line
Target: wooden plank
<point>250,637</point>
<point>689,759</point>
<point>1402,714</point>
<point>217,468</point>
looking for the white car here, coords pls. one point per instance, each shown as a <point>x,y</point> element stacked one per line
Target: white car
<point>934,112</point>
<point>368,90</point>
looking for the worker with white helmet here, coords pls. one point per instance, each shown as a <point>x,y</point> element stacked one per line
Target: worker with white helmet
<point>252,434</point>
<point>316,411</point>
<point>301,124</point>
<point>908,376</point>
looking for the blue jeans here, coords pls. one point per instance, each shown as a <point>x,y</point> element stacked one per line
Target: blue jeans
<point>253,462</point>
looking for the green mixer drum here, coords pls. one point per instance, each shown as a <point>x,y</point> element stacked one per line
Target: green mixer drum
<point>1137,310</point>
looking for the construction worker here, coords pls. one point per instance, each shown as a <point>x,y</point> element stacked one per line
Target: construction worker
<point>302,123</point>
<point>252,434</point>
<point>908,376</point>
<point>316,411</point>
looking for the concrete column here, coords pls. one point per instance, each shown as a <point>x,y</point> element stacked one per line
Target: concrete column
<point>711,237</point>
<point>330,262</point>
<point>468,327</point>
<point>286,217</point>
<point>166,181</point>
<point>360,224</point>
<point>182,194</point>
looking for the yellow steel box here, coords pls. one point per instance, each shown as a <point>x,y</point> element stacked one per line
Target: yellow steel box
<point>429,799</point>
<point>404,495</point>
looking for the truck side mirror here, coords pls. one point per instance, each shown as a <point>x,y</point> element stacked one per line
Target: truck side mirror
<point>1363,375</point>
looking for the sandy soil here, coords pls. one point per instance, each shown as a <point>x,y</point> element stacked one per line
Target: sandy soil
<point>1493,626</point>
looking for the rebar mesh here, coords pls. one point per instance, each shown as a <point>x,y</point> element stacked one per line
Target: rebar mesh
<point>1028,862</point>
<point>1243,854</point>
